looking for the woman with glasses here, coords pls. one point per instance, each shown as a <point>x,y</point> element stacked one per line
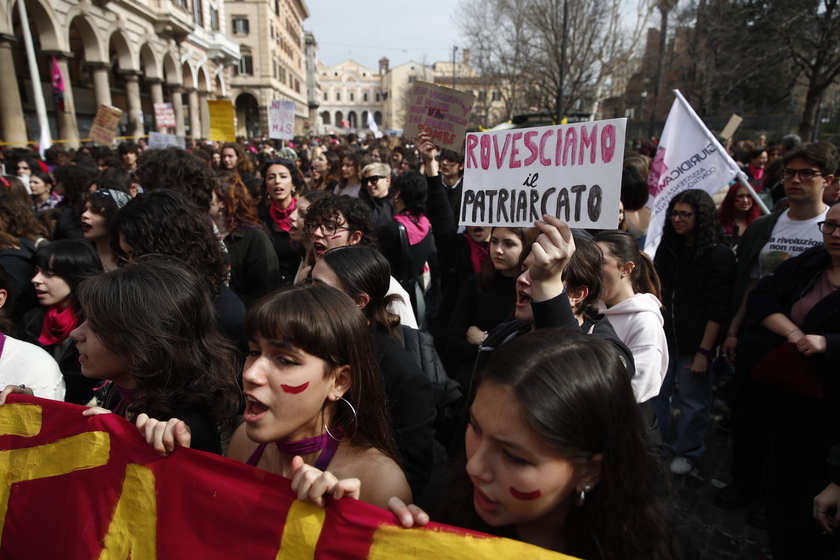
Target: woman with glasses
<point>376,186</point>
<point>697,274</point>
<point>737,211</point>
<point>795,310</point>
<point>282,182</point>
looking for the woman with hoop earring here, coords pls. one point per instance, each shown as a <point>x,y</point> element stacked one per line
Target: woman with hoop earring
<point>313,399</point>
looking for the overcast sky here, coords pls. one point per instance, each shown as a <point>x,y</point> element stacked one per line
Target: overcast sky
<point>367,30</point>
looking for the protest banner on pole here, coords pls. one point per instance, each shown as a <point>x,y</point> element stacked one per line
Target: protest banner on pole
<point>164,114</point>
<point>689,157</point>
<point>160,140</point>
<point>442,111</point>
<point>573,172</point>
<point>104,127</point>
<point>105,493</point>
<point>222,128</point>
<point>281,120</point>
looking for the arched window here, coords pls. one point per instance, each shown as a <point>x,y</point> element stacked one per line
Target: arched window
<point>377,116</point>
<point>351,116</point>
<point>339,116</point>
<point>325,116</point>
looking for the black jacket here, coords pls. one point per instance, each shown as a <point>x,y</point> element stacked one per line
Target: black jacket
<point>693,293</point>
<point>794,418</point>
<point>411,406</point>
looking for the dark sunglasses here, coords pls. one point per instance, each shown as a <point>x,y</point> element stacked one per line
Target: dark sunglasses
<point>372,179</point>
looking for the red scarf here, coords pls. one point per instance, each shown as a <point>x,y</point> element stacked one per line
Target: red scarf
<point>281,217</point>
<point>478,254</point>
<point>57,325</point>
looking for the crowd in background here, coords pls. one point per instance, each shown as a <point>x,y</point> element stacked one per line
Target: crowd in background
<point>315,309</point>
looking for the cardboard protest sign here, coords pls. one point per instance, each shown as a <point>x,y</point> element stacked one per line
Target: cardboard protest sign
<point>160,140</point>
<point>222,128</point>
<point>444,112</point>
<point>730,128</point>
<point>513,177</point>
<point>104,493</point>
<point>164,114</point>
<point>104,127</point>
<point>281,120</point>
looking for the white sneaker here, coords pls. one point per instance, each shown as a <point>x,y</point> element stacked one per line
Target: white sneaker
<point>681,466</point>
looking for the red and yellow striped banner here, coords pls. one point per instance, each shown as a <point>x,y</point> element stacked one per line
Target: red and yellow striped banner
<point>76,487</point>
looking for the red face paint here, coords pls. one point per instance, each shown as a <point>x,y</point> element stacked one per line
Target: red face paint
<point>525,495</point>
<point>294,390</point>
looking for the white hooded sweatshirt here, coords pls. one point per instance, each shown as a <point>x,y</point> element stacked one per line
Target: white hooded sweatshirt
<point>639,324</point>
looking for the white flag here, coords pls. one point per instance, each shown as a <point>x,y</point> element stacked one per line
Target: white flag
<point>689,157</point>
<point>372,126</point>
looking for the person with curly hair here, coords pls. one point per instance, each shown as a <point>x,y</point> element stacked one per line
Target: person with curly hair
<point>176,170</point>
<point>337,221</point>
<point>697,274</point>
<point>253,263</point>
<point>235,160</point>
<point>166,223</point>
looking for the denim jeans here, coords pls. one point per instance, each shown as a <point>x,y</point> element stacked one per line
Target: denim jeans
<point>695,402</point>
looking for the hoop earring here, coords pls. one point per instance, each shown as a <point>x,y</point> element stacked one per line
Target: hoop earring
<point>355,421</point>
<point>581,499</point>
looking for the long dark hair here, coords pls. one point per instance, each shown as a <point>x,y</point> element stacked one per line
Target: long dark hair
<point>575,395</point>
<point>625,248</point>
<point>72,260</point>
<point>706,225</point>
<point>19,220</point>
<point>243,162</point>
<point>363,270</point>
<point>157,317</point>
<point>585,270</point>
<point>324,322</point>
<point>7,326</point>
<point>488,276</point>
<point>356,160</point>
<point>333,170</point>
<point>165,222</point>
<point>411,187</point>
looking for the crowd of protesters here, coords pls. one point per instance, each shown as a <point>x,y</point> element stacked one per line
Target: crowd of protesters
<point>316,310</point>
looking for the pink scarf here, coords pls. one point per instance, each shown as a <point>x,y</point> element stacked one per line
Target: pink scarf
<point>57,325</point>
<point>281,217</point>
<point>417,227</point>
<point>757,173</point>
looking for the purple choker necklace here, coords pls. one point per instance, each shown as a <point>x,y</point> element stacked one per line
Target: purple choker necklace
<point>310,445</point>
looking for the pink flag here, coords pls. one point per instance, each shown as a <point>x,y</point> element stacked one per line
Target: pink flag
<point>57,85</point>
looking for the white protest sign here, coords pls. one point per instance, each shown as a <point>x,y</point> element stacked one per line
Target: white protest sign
<point>164,114</point>
<point>281,120</point>
<point>688,157</point>
<point>441,111</point>
<point>573,172</point>
<point>160,140</point>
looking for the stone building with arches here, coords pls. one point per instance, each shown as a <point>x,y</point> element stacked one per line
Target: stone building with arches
<point>349,92</point>
<point>126,53</point>
<point>273,63</point>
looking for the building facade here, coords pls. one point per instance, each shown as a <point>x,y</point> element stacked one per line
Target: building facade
<point>349,91</point>
<point>126,53</point>
<point>273,63</point>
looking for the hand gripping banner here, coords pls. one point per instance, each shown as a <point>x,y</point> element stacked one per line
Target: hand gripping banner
<point>76,487</point>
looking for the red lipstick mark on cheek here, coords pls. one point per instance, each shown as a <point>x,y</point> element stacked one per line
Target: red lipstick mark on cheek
<point>525,495</point>
<point>294,390</point>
